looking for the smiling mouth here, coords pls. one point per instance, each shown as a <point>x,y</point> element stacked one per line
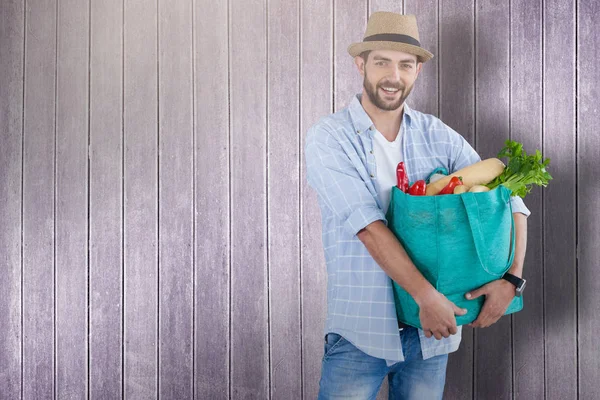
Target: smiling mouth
<point>389,90</point>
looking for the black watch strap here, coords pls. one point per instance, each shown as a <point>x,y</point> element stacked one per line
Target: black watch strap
<point>515,280</point>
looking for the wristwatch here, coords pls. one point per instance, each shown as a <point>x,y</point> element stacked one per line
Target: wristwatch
<point>518,282</point>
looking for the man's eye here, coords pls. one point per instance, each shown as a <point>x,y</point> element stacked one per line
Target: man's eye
<point>407,66</point>
<point>379,63</point>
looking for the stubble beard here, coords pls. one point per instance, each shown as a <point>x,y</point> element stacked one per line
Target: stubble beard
<point>373,93</point>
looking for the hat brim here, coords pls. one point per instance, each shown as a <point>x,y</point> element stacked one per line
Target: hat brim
<point>423,55</point>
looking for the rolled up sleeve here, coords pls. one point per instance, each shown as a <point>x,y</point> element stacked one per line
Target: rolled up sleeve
<point>338,183</point>
<point>519,206</point>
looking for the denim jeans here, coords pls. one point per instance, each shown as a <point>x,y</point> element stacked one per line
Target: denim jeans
<point>348,373</point>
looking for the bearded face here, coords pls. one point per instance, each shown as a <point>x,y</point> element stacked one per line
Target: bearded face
<point>389,77</point>
<point>386,94</point>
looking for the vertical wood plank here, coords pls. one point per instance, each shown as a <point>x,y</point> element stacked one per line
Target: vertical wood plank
<point>456,60</point>
<point>588,146</point>
<point>425,95</point>
<point>175,200</point>
<point>316,97</point>
<point>38,201</point>
<point>559,201</point>
<point>11,130</point>
<point>493,358</point>
<point>212,200</point>
<point>140,200</point>
<point>526,127</point>
<point>106,200</point>
<point>457,70</point>
<point>71,199</point>
<point>249,309</point>
<point>349,23</point>
<point>283,198</point>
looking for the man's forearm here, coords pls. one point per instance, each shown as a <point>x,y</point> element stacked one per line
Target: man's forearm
<point>520,244</point>
<point>387,251</point>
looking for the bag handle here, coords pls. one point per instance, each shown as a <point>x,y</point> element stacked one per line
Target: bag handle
<point>472,208</point>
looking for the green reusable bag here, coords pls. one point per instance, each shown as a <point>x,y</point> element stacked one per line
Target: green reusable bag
<point>458,242</point>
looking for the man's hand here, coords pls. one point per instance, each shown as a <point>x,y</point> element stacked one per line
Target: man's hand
<point>436,313</point>
<point>498,295</point>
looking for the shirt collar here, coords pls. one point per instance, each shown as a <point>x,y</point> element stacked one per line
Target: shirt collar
<point>362,121</point>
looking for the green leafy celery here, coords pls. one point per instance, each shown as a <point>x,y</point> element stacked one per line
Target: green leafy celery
<point>522,171</point>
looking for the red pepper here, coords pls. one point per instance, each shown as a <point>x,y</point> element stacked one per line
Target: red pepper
<point>418,188</point>
<point>402,177</point>
<point>454,182</point>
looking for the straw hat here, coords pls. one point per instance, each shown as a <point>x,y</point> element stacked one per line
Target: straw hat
<point>391,31</point>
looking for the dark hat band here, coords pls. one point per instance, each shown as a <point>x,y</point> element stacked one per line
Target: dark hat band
<point>392,37</point>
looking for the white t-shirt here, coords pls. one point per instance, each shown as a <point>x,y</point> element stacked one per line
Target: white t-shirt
<point>387,156</point>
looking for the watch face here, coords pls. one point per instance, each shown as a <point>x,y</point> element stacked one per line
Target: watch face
<point>521,287</point>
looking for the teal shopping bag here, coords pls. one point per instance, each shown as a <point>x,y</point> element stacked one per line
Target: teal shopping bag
<point>458,242</point>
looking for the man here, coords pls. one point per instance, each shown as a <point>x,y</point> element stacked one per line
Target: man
<point>351,159</point>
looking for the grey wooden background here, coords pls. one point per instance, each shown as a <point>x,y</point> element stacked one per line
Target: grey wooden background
<point>158,237</point>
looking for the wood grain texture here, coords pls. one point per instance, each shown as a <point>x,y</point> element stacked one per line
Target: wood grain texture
<point>526,127</point>
<point>219,200</point>
<point>71,200</point>
<point>316,99</point>
<point>457,68</point>
<point>211,92</point>
<point>349,23</point>
<point>456,60</point>
<point>38,201</point>
<point>493,356</point>
<point>283,198</point>
<point>559,201</point>
<point>175,200</point>
<point>250,363</point>
<point>140,200</point>
<point>106,201</point>
<point>425,95</point>
<point>588,146</point>
<point>11,134</point>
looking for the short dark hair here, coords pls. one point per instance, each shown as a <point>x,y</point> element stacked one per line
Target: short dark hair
<point>365,55</point>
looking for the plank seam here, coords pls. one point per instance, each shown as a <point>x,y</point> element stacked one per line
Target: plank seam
<point>194,213</point>
<point>299,29</point>
<point>23,184</point>
<point>512,319</point>
<point>576,101</point>
<point>543,39</point>
<point>333,57</point>
<point>266,210</point>
<point>158,199</point>
<point>54,344</point>
<point>88,199</point>
<point>123,271</point>
<point>439,61</point>
<point>229,90</point>
<point>474,332</point>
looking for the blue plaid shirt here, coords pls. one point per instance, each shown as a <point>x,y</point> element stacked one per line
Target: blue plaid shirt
<point>341,168</point>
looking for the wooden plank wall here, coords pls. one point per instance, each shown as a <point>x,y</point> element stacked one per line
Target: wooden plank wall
<point>158,238</point>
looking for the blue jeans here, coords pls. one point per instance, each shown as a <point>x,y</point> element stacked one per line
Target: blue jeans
<point>348,373</point>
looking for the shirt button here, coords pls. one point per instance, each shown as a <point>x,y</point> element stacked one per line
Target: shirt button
<point>371,151</point>
<point>358,132</point>
<point>372,176</point>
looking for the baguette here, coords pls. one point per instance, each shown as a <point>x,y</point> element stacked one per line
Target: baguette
<point>480,173</point>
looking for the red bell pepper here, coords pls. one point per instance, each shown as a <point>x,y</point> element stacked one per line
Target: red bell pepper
<point>418,188</point>
<point>402,177</point>
<point>454,182</point>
